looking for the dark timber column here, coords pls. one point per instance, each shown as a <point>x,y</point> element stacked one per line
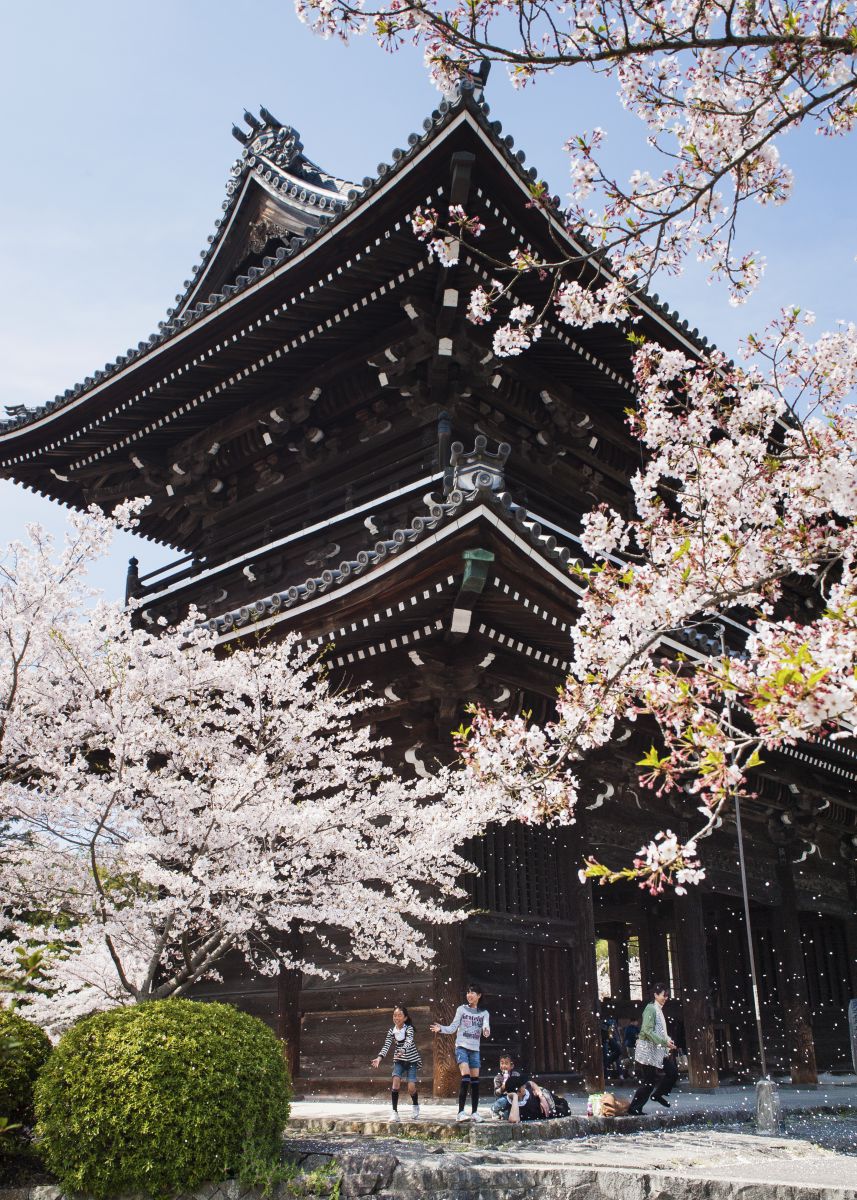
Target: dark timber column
<point>851,926</point>
<point>585,1015</point>
<point>288,1006</point>
<point>448,984</point>
<point>693,971</point>
<point>620,976</point>
<point>792,977</point>
<point>654,963</point>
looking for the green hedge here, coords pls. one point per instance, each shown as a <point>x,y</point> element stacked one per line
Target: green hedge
<point>160,1098</point>
<point>24,1048</point>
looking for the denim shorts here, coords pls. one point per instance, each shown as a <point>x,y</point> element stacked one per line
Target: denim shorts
<point>472,1057</point>
<point>406,1071</point>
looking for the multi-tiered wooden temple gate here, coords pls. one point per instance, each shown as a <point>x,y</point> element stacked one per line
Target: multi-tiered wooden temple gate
<point>332,448</point>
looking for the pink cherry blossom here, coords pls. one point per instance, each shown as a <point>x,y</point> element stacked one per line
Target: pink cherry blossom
<point>165,804</point>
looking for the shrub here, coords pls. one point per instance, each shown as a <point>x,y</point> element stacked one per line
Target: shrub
<point>160,1098</point>
<point>24,1049</point>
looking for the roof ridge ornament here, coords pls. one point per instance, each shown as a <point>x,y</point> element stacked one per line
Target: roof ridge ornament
<point>479,469</point>
<point>471,80</point>
<point>270,139</point>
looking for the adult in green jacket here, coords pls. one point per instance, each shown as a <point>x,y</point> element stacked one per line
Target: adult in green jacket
<point>655,1065</point>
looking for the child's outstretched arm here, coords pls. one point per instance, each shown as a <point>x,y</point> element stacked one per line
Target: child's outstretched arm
<point>452,1027</point>
<point>376,1061</point>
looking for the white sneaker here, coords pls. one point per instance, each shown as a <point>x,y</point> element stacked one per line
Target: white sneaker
<point>477,1116</point>
<point>415,1112</point>
<point>394,1116</point>
<point>463,1116</point>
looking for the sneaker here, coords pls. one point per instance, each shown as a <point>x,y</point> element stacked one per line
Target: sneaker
<point>477,1116</point>
<point>394,1116</point>
<point>415,1112</point>
<point>463,1116</point>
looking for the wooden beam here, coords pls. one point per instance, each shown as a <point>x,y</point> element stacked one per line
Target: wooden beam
<point>289,1014</point>
<point>696,1008</point>
<point>791,976</point>
<point>620,978</point>
<point>448,984</point>
<point>583,993</point>
<point>654,961</point>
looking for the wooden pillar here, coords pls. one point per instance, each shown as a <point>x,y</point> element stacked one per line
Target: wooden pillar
<point>791,977</point>
<point>448,984</point>
<point>527,1030</point>
<point>696,1009</point>
<point>620,977</point>
<point>586,1012</point>
<point>289,1013</point>
<point>654,962</point>
<point>851,931</point>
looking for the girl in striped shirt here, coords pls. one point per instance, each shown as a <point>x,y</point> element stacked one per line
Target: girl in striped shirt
<point>406,1060</point>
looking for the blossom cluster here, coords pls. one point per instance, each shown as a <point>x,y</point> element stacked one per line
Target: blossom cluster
<point>739,501</point>
<point>714,86</point>
<point>166,804</point>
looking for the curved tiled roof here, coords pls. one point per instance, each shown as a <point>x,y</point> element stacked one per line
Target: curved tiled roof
<point>440,512</point>
<point>341,198</point>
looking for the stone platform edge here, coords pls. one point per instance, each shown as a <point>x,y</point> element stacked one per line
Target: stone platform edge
<point>497,1133</point>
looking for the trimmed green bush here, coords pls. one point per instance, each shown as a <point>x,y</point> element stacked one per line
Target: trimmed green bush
<point>160,1098</point>
<point>24,1049</point>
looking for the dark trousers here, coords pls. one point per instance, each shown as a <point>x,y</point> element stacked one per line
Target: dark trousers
<point>654,1083</point>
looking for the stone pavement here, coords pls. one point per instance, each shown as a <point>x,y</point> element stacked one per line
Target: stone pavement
<point>728,1103</point>
<point>705,1164</point>
<point>704,1148</point>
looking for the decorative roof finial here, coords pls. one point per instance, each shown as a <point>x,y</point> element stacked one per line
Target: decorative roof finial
<point>472,79</point>
<point>479,468</point>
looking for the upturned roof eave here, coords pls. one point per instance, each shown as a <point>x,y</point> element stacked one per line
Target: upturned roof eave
<point>444,122</point>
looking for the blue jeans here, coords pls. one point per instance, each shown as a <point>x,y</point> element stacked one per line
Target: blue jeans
<point>406,1071</point>
<point>472,1057</point>
<point>502,1107</point>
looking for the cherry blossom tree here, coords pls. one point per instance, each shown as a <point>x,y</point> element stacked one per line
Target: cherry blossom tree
<point>745,528</point>
<point>745,508</point>
<point>166,803</point>
<point>716,82</point>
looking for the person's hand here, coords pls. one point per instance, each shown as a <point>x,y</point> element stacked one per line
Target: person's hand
<point>435,1028</point>
<point>486,1032</point>
<point>376,1062</point>
<point>671,1043</point>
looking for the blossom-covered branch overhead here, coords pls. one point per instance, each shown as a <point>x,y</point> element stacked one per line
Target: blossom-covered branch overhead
<point>716,83</point>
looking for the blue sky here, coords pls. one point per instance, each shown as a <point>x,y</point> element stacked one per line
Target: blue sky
<point>116,146</point>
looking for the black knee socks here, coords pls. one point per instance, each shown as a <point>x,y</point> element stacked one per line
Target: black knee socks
<point>462,1092</point>
<point>474,1094</point>
<point>394,1094</point>
<point>414,1099</point>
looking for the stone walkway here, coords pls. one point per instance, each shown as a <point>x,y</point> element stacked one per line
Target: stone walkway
<point>704,1148</point>
<point>727,1103</point>
<point>705,1164</point>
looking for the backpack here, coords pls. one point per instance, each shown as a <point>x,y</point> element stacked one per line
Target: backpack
<point>548,1103</point>
<point>561,1108</point>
